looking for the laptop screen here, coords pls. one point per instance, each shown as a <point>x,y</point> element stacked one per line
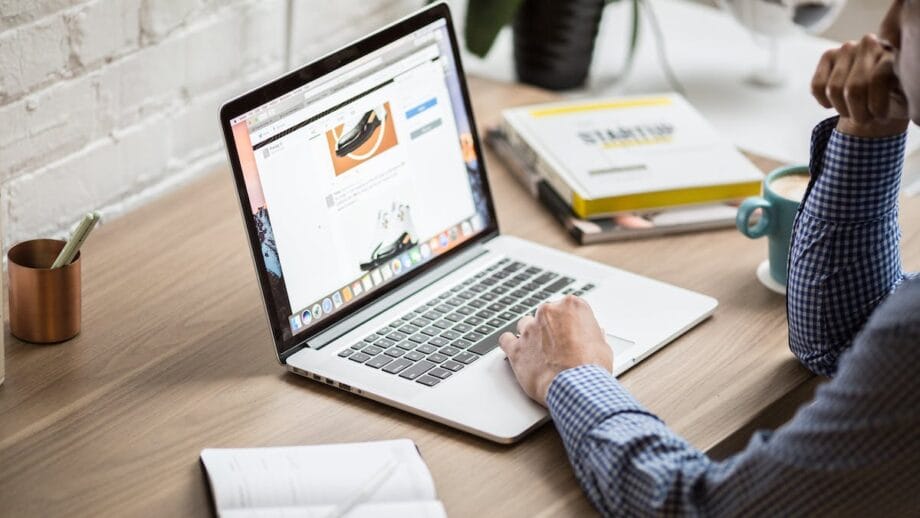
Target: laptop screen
<point>360,177</point>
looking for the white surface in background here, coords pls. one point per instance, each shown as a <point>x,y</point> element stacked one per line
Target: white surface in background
<point>712,56</point>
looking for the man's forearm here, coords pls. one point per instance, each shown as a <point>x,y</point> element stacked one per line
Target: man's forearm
<point>844,257</point>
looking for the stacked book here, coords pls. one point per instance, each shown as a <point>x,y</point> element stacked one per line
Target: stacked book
<point>627,167</point>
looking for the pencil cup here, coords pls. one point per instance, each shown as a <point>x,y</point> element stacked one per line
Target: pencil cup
<point>44,303</point>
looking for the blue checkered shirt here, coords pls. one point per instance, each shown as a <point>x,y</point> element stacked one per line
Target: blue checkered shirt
<point>853,314</point>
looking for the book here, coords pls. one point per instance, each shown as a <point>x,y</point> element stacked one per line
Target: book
<point>608,228</point>
<point>361,480</point>
<point>629,154</point>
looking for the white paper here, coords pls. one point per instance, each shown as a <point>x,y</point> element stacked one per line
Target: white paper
<point>381,510</point>
<point>310,476</point>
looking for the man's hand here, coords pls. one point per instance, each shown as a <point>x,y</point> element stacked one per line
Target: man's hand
<point>859,81</point>
<point>562,335</point>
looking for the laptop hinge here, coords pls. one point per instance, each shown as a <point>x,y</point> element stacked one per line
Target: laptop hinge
<point>389,300</point>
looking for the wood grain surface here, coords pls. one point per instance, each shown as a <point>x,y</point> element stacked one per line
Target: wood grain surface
<point>175,356</point>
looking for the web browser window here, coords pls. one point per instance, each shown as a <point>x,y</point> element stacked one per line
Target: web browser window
<point>362,176</point>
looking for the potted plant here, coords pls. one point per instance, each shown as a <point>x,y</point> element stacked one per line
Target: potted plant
<point>553,40</point>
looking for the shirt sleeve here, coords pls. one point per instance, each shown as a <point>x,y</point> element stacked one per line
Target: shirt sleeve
<point>854,451</point>
<point>844,257</point>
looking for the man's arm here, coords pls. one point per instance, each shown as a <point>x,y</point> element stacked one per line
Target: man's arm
<point>854,451</point>
<point>844,258</point>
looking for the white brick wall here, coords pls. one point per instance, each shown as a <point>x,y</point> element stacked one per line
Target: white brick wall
<point>106,103</point>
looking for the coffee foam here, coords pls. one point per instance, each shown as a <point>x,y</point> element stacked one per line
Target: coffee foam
<point>790,186</point>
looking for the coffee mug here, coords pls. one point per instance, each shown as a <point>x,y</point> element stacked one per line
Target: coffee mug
<point>783,190</point>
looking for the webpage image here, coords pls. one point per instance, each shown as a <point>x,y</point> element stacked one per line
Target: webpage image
<point>368,190</point>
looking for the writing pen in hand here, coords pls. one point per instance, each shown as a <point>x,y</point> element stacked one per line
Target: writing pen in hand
<point>76,240</point>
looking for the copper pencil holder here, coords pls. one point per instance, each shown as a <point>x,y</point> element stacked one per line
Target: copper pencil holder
<point>44,303</point>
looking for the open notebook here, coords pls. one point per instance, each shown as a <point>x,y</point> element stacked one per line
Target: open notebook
<point>361,480</point>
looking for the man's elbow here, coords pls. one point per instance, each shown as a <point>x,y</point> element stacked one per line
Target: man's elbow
<point>818,357</point>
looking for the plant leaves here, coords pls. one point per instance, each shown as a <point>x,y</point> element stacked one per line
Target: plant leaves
<point>484,19</point>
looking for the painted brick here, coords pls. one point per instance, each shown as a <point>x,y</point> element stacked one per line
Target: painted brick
<point>47,125</point>
<point>19,12</point>
<point>32,54</point>
<point>160,17</point>
<point>103,29</point>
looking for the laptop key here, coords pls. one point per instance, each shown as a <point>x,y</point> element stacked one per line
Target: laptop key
<point>461,343</point>
<point>559,284</point>
<point>478,303</point>
<point>440,373</point>
<point>373,350</point>
<point>428,381</point>
<point>420,322</point>
<point>466,358</point>
<point>505,315</point>
<point>417,370</point>
<point>378,361</point>
<point>455,301</point>
<point>474,321</point>
<point>385,343</point>
<point>358,346</point>
<point>395,352</point>
<point>408,329</point>
<point>519,293</point>
<point>406,345</point>
<point>450,334</point>
<point>371,338</point>
<point>496,306</point>
<point>396,336</point>
<point>437,358</point>
<point>384,331</point>
<point>519,309</point>
<point>500,290</point>
<point>451,365</point>
<point>488,296</point>
<point>490,342</point>
<point>508,300</point>
<point>396,365</point>
<point>426,348</point>
<point>485,313</point>
<point>433,315</point>
<point>419,338</point>
<point>443,323</point>
<point>443,308</point>
<point>431,330</point>
<point>497,322</point>
<point>466,310</point>
<point>449,351</point>
<point>414,356</point>
<point>346,353</point>
<point>359,357</point>
<point>462,328</point>
<point>468,294</point>
<point>473,337</point>
<point>485,330</point>
<point>438,341</point>
<point>454,317</point>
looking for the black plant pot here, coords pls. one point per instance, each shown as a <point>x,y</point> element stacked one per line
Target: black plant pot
<point>554,41</point>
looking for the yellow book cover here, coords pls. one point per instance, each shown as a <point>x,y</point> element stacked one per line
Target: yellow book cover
<point>630,154</point>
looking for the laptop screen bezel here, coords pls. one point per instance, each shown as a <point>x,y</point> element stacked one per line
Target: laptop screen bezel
<point>311,72</point>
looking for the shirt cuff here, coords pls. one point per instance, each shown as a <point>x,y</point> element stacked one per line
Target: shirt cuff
<point>853,178</point>
<point>581,398</point>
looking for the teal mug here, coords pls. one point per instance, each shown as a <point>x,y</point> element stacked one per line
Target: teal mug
<point>783,190</point>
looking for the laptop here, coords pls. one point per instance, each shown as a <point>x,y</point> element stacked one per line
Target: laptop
<point>373,232</point>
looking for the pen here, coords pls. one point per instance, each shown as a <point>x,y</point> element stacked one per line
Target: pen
<point>371,486</point>
<point>76,240</point>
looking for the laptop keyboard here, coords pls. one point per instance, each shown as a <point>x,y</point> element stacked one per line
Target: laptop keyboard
<point>453,330</point>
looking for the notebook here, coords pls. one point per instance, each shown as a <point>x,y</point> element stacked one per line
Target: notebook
<point>360,480</point>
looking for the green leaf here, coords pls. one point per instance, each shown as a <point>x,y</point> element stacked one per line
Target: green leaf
<point>484,19</point>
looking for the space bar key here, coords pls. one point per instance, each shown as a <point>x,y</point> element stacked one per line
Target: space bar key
<point>491,342</point>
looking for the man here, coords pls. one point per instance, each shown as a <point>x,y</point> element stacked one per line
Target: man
<point>853,314</point>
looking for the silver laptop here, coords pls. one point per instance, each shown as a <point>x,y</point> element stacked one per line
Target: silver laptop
<point>383,272</point>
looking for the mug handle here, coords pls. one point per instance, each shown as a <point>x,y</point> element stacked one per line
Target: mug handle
<point>744,215</point>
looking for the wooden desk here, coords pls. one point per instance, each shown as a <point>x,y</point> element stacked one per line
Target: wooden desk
<point>175,356</point>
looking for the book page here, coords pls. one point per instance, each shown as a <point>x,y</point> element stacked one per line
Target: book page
<point>433,509</point>
<point>320,475</point>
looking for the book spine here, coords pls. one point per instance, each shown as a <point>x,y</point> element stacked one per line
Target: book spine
<point>536,162</point>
